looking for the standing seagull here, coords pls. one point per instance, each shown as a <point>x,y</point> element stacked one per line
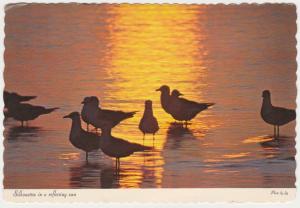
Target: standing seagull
<point>179,108</point>
<point>165,97</point>
<point>26,112</point>
<point>85,113</point>
<point>275,116</point>
<point>185,110</point>
<point>81,139</point>
<point>99,117</point>
<point>148,123</point>
<point>13,98</point>
<point>118,148</point>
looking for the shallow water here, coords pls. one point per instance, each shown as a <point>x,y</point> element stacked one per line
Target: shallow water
<point>122,53</point>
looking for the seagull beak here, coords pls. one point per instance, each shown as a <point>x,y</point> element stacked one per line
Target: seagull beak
<point>83,102</point>
<point>180,94</point>
<point>159,89</point>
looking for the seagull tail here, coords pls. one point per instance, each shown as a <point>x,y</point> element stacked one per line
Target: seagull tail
<point>131,114</point>
<point>49,110</point>
<point>27,98</point>
<point>210,104</point>
<point>141,148</point>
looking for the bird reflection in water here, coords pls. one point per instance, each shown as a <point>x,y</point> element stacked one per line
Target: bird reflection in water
<point>176,133</point>
<point>109,178</point>
<point>93,175</point>
<point>25,133</point>
<point>275,147</point>
<point>280,147</point>
<point>85,175</point>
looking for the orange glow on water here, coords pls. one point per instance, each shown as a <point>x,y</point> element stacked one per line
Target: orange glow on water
<point>237,155</point>
<point>257,139</point>
<point>144,60</point>
<point>122,53</point>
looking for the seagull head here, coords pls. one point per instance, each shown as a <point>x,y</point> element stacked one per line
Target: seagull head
<point>94,100</point>
<point>266,94</point>
<point>73,115</point>
<point>164,88</point>
<point>148,104</point>
<point>86,100</point>
<point>176,93</point>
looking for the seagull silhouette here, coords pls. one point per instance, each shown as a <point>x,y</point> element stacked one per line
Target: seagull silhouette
<point>81,139</point>
<point>118,148</point>
<point>148,124</point>
<point>26,112</point>
<point>183,109</point>
<point>275,116</point>
<point>85,112</point>
<point>13,98</point>
<point>180,108</point>
<point>165,97</point>
<point>99,117</point>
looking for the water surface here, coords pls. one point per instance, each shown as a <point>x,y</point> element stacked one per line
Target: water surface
<point>122,53</point>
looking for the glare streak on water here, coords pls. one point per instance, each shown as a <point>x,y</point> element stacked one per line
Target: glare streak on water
<point>122,53</point>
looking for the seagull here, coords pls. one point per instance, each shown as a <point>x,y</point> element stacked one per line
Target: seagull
<point>275,116</point>
<point>165,97</point>
<point>118,148</point>
<point>12,98</point>
<point>174,104</point>
<point>86,141</point>
<point>148,123</point>
<point>85,113</point>
<point>26,112</point>
<point>179,108</point>
<point>99,117</point>
<point>182,109</point>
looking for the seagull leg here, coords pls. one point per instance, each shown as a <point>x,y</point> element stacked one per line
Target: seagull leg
<point>87,127</point>
<point>153,141</point>
<point>22,123</point>
<point>117,168</point>
<point>275,131</point>
<point>86,156</point>
<point>278,131</point>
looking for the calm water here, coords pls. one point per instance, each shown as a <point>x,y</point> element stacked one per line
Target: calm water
<point>122,53</point>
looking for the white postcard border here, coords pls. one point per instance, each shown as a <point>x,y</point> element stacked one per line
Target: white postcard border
<point>150,195</point>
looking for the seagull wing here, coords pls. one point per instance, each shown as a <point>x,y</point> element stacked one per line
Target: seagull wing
<point>90,140</point>
<point>185,103</point>
<point>283,114</point>
<point>115,116</point>
<point>27,108</point>
<point>125,148</point>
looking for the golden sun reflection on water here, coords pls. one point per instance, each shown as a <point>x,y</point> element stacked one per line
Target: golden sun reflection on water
<point>70,156</point>
<point>162,51</point>
<point>236,155</point>
<point>258,139</point>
